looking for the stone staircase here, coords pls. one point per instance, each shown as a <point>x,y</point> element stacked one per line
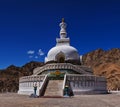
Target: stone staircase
<point>54,88</point>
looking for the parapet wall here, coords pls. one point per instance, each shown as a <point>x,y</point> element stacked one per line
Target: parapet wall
<point>79,69</point>
<point>80,84</point>
<point>26,84</point>
<point>87,84</point>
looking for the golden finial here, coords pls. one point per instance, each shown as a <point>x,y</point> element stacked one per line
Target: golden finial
<point>63,19</point>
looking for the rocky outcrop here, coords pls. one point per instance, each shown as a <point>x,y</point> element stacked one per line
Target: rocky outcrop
<point>9,77</point>
<point>105,63</point>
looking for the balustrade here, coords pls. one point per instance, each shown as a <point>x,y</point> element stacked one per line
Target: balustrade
<point>60,66</point>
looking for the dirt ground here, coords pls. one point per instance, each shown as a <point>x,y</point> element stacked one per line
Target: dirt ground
<point>15,100</point>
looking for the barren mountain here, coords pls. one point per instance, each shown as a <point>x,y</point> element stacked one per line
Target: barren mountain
<point>105,63</point>
<point>9,77</point>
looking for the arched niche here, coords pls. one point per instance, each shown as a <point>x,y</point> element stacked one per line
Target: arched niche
<point>60,57</point>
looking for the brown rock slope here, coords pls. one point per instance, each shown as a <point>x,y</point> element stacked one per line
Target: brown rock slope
<point>9,77</point>
<point>105,63</point>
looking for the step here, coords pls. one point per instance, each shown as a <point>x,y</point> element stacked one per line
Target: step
<point>54,88</point>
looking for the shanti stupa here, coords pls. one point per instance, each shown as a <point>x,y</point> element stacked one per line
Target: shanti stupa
<point>62,70</point>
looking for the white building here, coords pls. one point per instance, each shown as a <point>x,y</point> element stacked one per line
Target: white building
<point>62,69</point>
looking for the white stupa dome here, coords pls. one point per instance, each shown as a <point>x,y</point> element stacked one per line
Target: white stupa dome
<point>63,52</point>
<point>67,52</point>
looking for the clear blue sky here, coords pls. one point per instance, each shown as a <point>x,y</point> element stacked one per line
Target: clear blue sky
<point>29,26</point>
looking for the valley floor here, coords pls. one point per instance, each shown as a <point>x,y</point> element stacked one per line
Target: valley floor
<point>15,100</point>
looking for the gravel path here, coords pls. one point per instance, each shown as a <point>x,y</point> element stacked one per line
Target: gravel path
<point>15,100</point>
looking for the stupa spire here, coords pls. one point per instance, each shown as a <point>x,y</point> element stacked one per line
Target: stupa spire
<point>63,25</point>
<point>63,19</point>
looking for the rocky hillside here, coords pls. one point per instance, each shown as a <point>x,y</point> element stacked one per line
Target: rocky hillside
<point>9,77</point>
<point>105,63</point>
